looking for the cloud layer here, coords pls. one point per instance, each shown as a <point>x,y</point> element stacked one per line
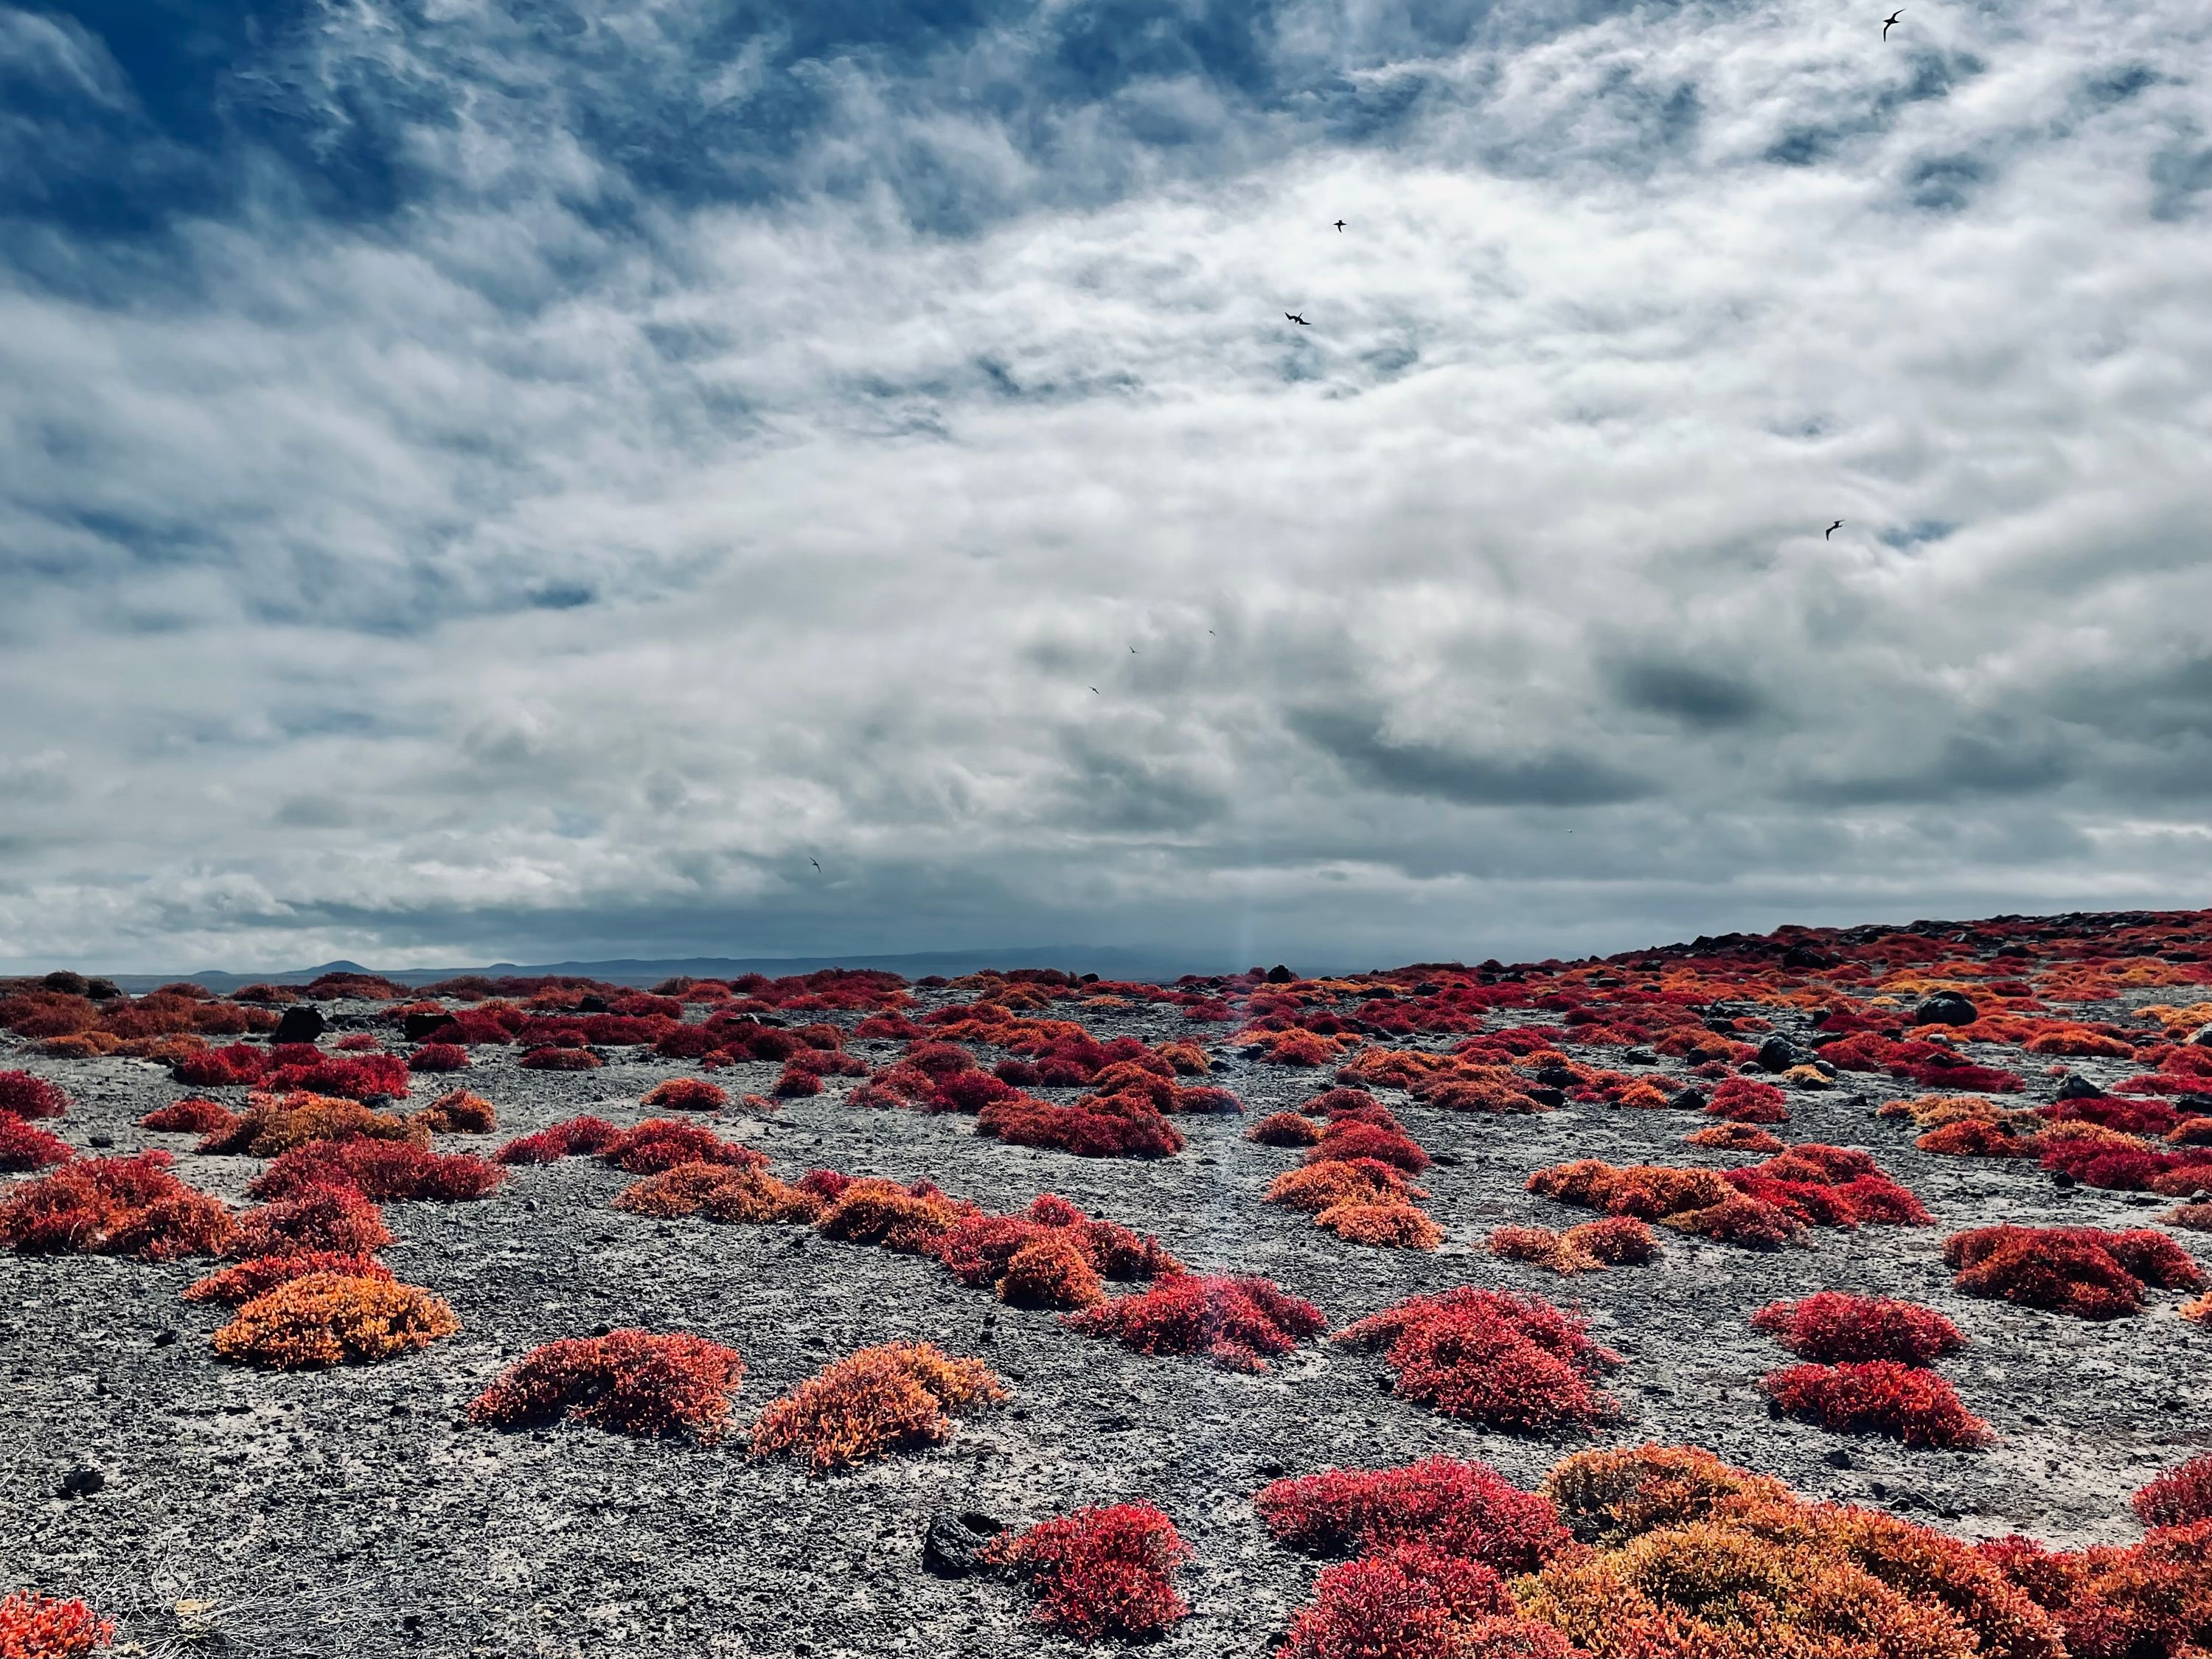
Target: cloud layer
<point>508,482</point>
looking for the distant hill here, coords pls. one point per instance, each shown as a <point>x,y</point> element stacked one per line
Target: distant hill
<point>1107,961</point>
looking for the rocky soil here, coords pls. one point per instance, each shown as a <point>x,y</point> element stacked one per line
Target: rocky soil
<point>356,1512</point>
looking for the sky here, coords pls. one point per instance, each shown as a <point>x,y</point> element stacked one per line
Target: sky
<point>527,481</point>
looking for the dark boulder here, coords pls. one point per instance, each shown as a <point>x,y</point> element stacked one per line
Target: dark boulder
<point>951,1540</point>
<point>419,1027</point>
<point>302,1023</point>
<point>1944,1008</point>
<point>1280,975</point>
<point>2079,1088</point>
<point>1778,1053</point>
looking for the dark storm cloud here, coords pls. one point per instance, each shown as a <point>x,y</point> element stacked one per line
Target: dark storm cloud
<point>492,481</point>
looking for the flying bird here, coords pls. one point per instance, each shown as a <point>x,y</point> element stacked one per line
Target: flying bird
<point>1339,227</point>
<point>1299,320</point>
<point>817,863</point>
<point>1132,650</point>
<point>1890,21</point>
<point>1831,530</point>
<point>1095,692</point>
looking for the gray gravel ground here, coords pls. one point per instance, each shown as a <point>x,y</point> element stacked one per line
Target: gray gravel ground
<point>356,1512</point>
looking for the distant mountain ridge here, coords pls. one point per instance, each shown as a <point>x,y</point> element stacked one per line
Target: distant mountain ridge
<point>1108,962</point>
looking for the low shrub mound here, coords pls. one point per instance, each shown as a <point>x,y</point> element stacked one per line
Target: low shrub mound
<point>1736,1138</point>
<point>24,1147</point>
<point>1284,1129</point>
<point>1237,1323</point>
<point>1101,1571</point>
<point>1466,1510</point>
<point>685,1094</point>
<point>379,1169</point>
<point>439,1057</point>
<point>332,1319</point>
<point>1358,1137</point>
<point>239,1284</point>
<point>1616,1242</point>
<point>878,1400</point>
<point>1829,1187</point>
<point>2196,1218</point>
<point>2180,1498</point>
<point>1694,1559</point>
<point>349,1077</point>
<point>273,1124</point>
<point>1839,1327</point>
<point>2124,1601</point>
<point>191,1115</point>
<point>576,1135</point>
<point>910,1219</point>
<point>1880,1396</point>
<point>37,1626</point>
<point>1743,1100</point>
<point>662,1143</point>
<point>1408,1601</point>
<point>561,1060</point>
<point>628,1382</point>
<point>24,1095</point>
<point>2087,1271</point>
<point>458,1112</point>
<point>1509,1362</point>
<point>1764,1206</point>
<point>339,1218</point>
<point>1053,1256</point>
<point>1317,1187</point>
<point>1095,1126</point>
<point>1391,1224</point>
<point>131,1207</point>
<point>722,1193</point>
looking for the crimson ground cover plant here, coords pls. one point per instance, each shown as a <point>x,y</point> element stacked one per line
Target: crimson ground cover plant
<point>1745,1100</point>
<point>338,1219</point>
<point>1513,1363</point>
<point>1880,1396</point>
<point>1238,1323</point>
<point>686,1094</point>
<point>1412,1601</point>
<point>34,1626</point>
<point>2087,1272</point>
<point>2180,1498</point>
<point>1095,1126</point>
<point>377,1169</point>
<point>331,1319</point>
<point>439,1057</point>
<point>629,1381</point>
<point>1053,1256</point>
<point>131,1207</point>
<point>662,1143</point>
<point>1837,1326</point>
<point>878,1400</point>
<point>349,1076</point>
<point>246,1280</point>
<point>24,1095</point>
<point>721,1192</point>
<point>191,1115</point>
<point>1100,1571</point>
<point>1463,1509</point>
<point>275,1123</point>
<point>25,1146</point>
<point>569,1138</point>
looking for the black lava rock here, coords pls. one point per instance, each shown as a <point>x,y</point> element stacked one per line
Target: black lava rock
<point>2079,1088</point>
<point>949,1541</point>
<point>1778,1053</point>
<point>1280,975</point>
<point>302,1023</point>
<point>421,1026</point>
<point>82,1481</point>
<point>1944,1008</point>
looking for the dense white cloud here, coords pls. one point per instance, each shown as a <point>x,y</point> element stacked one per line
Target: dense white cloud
<point>552,561</point>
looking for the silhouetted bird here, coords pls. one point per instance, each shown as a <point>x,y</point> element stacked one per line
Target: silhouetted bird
<point>1299,320</point>
<point>817,863</point>
<point>1890,21</point>
<point>1132,650</point>
<point>1095,692</point>
<point>1339,227</point>
<point>1831,530</point>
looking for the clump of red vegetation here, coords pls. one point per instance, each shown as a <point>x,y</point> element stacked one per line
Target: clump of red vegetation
<point>2180,1498</point>
<point>24,1095</point>
<point>1839,1326</point>
<point>439,1057</point>
<point>561,1060</point>
<point>1466,1509</point>
<point>244,1281</point>
<point>37,1626</point>
<point>1284,1129</point>
<point>2084,1270</point>
<point>1095,1126</point>
<point>1237,1323</point>
<point>1763,1206</point>
<point>722,1191</point>
<point>129,1206</point>
<point>1509,1362</point>
<point>877,1400</point>
<point>272,1124</point>
<point>1880,1396</point>
<point>1616,1242</point>
<point>686,1094</point>
<point>1054,1257</point>
<point>316,1218</point>
<point>25,1146</point>
<point>378,1170</point>
<point>1744,1100</point>
<point>1103,1571</point>
<point>458,1112</point>
<point>629,1381</point>
<point>332,1319</point>
<point>571,1137</point>
<point>1412,1601</point>
<point>2120,1602</point>
<point>662,1143</point>
<point>350,1077</point>
<point>907,1220</point>
<point>190,1116</point>
<point>1736,1138</point>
